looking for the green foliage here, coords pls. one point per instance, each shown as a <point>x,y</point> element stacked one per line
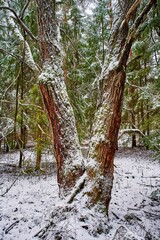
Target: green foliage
<point>142,89</point>
<point>84,45</point>
<point>37,121</point>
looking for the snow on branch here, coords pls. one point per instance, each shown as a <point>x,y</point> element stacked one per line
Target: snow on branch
<point>26,29</point>
<point>132,10</point>
<point>134,32</point>
<point>22,42</point>
<point>124,131</point>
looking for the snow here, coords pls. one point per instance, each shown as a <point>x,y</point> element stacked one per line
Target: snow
<point>33,200</point>
<point>136,177</point>
<point>21,41</point>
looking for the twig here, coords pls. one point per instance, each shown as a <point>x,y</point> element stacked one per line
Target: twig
<point>115,215</point>
<point>147,185</point>
<point>134,209</point>
<point>152,214</point>
<point>7,190</point>
<point>11,226</point>
<point>8,165</point>
<point>78,187</point>
<point>24,9</point>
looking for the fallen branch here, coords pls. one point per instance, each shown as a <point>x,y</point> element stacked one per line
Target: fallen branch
<point>7,190</point>
<point>78,187</point>
<point>147,185</point>
<point>11,226</point>
<point>8,164</point>
<point>115,215</point>
<point>149,214</point>
<point>134,209</point>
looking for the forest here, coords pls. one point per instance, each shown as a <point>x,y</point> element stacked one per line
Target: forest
<point>79,119</point>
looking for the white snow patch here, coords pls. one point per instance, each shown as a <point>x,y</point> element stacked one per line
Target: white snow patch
<point>33,198</point>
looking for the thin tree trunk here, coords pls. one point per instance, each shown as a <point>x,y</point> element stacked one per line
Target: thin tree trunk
<point>103,39</point>
<point>21,142</point>
<point>133,114</point>
<point>39,137</point>
<point>65,68</point>
<point>38,154</point>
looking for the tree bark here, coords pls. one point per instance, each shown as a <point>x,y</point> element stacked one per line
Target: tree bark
<point>108,116</point>
<point>52,85</point>
<point>51,82</point>
<point>133,113</point>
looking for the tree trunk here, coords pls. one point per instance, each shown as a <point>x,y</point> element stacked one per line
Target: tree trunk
<point>52,85</point>
<point>65,67</point>
<point>104,141</point>
<point>133,113</point>
<point>108,116</point>
<point>38,154</point>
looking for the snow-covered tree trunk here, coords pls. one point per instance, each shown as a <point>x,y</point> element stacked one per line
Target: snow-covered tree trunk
<point>104,142</point>
<point>51,82</point>
<point>52,85</point>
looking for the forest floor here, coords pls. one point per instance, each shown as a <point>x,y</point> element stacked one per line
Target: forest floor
<point>27,198</point>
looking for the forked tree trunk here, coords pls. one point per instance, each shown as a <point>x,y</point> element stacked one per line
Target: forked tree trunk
<point>108,116</point>
<point>52,85</point>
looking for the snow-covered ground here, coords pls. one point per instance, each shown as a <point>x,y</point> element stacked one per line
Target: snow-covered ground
<point>27,206</point>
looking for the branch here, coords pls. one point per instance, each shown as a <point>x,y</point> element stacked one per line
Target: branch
<point>23,43</point>
<point>13,55</point>
<point>141,18</point>
<point>24,8</point>
<point>131,131</point>
<point>43,132</point>
<point>134,31</point>
<point>7,190</point>
<point>26,29</point>
<point>18,57</point>
<point>132,10</point>
<point>77,188</point>
<point>11,226</point>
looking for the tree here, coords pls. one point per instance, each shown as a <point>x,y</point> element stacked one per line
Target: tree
<point>52,85</point>
<point>97,184</point>
<point>141,99</point>
<point>108,116</point>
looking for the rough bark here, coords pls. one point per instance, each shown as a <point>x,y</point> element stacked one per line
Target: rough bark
<point>104,141</point>
<point>52,85</point>
<point>51,81</point>
<point>108,116</point>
